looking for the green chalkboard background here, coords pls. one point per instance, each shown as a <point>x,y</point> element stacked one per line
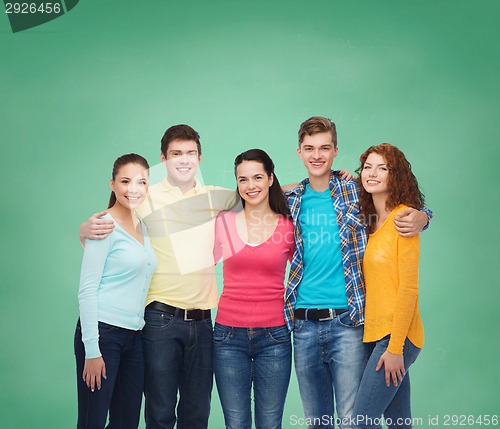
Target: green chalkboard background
<point>110,76</point>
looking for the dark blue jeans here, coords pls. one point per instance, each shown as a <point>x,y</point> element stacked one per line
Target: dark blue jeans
<point>178,360</point>
<point>261,357</point>
<point>121,392</point>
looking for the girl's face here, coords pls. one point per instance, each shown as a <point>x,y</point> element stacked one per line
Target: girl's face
<point>375,174</point>
<point>130,185</point>
<point>253,182</point>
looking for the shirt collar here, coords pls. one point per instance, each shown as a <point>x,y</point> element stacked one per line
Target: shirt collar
<point>299,190</point>
<point>168,187</point>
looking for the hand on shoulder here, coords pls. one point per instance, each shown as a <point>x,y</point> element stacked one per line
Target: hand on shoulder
<point>410,222</point>
<point>96,228</point>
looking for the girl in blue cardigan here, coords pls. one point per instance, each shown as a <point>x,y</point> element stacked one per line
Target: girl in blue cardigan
<point>115,276</point>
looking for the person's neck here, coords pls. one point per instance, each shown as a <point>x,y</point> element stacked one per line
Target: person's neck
<point>379,202</point>
<point>121,214</point>
<point>184,187</point>
<point>258,213</point>
<point>319,184</point>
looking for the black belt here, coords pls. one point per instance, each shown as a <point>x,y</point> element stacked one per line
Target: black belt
<point>187,315</point>
<point>318,313</point>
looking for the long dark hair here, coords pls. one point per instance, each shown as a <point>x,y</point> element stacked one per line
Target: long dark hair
<point>276,197</point>
<point>402,184</point>
<point>130,158</point>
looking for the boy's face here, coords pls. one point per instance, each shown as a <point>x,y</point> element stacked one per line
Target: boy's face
<point>317,153</point>
<point>182,160</point>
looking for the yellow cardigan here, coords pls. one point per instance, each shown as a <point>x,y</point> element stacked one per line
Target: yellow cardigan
<point>390,268</point>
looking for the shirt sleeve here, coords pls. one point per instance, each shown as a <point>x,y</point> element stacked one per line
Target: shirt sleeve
<point>290,240</point>
<point>407,296</point>
<point>429,214</point>
<point>94,260</point>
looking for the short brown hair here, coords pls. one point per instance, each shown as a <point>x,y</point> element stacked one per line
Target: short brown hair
<point>179,132</point>
<point>315,125</point>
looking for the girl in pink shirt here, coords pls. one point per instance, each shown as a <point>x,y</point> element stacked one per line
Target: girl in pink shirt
<point>252,345</point>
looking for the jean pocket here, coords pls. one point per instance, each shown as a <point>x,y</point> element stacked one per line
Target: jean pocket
<point>208,323</point>
<point>297,325</point>
<point>345,320</point>
<point>279,335</point>
<point>221,334</point>
<point>157,319</point>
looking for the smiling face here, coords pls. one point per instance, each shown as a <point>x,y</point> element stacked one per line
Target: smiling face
<point>253,182</point>
<point>130,185</point>
<point>181,160</point>
<point>317,153</point>
<point>375,174</point>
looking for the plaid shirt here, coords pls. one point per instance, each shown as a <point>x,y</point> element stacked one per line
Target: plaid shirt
<point>353,237</point>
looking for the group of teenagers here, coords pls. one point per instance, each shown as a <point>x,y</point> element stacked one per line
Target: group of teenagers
<point>148,288</point>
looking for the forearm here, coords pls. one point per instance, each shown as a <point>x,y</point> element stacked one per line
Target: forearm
<point>403,315</point>
<point>94,260</point>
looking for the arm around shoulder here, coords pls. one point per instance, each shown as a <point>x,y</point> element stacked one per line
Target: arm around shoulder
<point>96,228</point>
<point>410,222</point>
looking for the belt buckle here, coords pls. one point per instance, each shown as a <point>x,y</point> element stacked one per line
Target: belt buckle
<point>330,316</point>
<point>186,319</point>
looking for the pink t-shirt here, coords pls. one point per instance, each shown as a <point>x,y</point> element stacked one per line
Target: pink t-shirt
<point>253,293</point>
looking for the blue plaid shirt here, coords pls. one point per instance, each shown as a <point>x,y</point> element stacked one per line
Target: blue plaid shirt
<point>353,237</point>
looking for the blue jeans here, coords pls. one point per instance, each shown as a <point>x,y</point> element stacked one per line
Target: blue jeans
<point>178,359</point>
<point>121,391</point>
<point>330,358</point>
<point>261,357</point>
<point>375,398</point>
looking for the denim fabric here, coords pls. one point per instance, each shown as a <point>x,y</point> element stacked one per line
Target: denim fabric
<point>330,358</point>
<point>178,359</point>
<point>375,398</point>
<point>258,357</point>
<point>121,391</point>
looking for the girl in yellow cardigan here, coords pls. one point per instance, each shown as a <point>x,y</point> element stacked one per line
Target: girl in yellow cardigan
<point>393,328</point>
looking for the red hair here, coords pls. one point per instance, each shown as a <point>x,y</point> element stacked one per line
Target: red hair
<point>402,184</point>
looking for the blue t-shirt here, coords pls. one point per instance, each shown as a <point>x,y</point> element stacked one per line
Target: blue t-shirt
<point>323,284</point>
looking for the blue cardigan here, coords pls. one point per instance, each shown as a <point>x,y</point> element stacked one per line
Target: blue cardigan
<point>114,283</point>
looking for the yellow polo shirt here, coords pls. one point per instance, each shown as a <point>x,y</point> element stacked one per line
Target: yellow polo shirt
<point>181,229</point>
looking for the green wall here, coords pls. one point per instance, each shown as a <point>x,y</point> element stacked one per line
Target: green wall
<point>109,77</point>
